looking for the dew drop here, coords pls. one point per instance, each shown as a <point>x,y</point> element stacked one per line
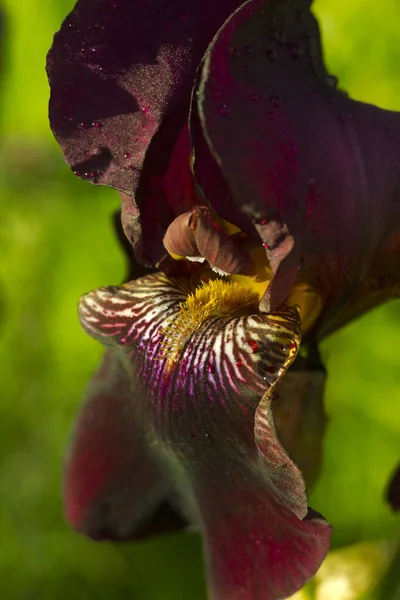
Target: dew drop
<point>253,345</point>
<point>246,68</point>
<point>271,115</point>
<point>331,80</point>
<point>223,110</point>
<point>97,124</point>
<point>239,363</point>
<point>275,101</point>
<point>280,37</point>
<point>293,49</point>
<point>254,97</point>
<point>271,55</point>
<point>247,50</point>
<point>233,52</point>
<point>127,155</point>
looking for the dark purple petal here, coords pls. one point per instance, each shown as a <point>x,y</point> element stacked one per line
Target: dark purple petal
<point>256,549</point>
<point>292,147</point>
<point>382,282</point>
<point>111,485</point>
<point>207,414</point>
<point>121,73</point>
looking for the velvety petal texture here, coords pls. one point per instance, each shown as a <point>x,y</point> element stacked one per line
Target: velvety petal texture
<point>121,73</point>
<point>113,487</point>
<point>205,408</point>
<point>289,143</point>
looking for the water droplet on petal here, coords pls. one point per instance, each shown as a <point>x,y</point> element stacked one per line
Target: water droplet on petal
<point>275,101</point>
<point>254,97</point>
<point>271,55</point>
<point>331,80</point>
<point>223,110</point>
<point>247,50</point>
<point>127,155</point>
<point>280,37</point>
<point>271,115</point>
<point>97,124</point>
<point>246,68</point>
<point>253,345</point>
<point>233,52</point>
<point>293,49</point>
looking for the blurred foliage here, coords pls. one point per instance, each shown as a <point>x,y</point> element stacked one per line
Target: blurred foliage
<point>57,242</point>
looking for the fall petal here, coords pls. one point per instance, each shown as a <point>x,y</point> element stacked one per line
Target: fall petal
<point>112,484</point>
<point>290,145</point>
<point>121,73</point>
<point>254,547</point>
<point>232,477</point>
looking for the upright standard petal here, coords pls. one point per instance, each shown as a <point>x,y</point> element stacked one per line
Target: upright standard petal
<point>203,394</point>
<point>289,143</point>
<point>121,73</point>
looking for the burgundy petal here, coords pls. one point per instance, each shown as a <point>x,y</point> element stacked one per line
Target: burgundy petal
<point>260,550</point>
<point>290,145</point>
<point>112,486</point>
<point>232,477</point>
<point>121,73</point>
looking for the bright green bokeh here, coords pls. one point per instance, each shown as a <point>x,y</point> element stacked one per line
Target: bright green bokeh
<point>57,242</point>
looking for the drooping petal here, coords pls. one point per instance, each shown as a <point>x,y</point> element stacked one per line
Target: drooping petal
<point>261,551</point>
<point>290,144</point>
<point>381,283</point>
<point>120,73</point>
<point>232,477</point>
<point>299,413</point>
<point>112,484</point>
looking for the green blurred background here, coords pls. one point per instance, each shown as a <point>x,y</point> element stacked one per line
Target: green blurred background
<point>57,242</point>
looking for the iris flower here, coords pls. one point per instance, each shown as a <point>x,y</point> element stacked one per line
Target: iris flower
<point>261,210</point>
